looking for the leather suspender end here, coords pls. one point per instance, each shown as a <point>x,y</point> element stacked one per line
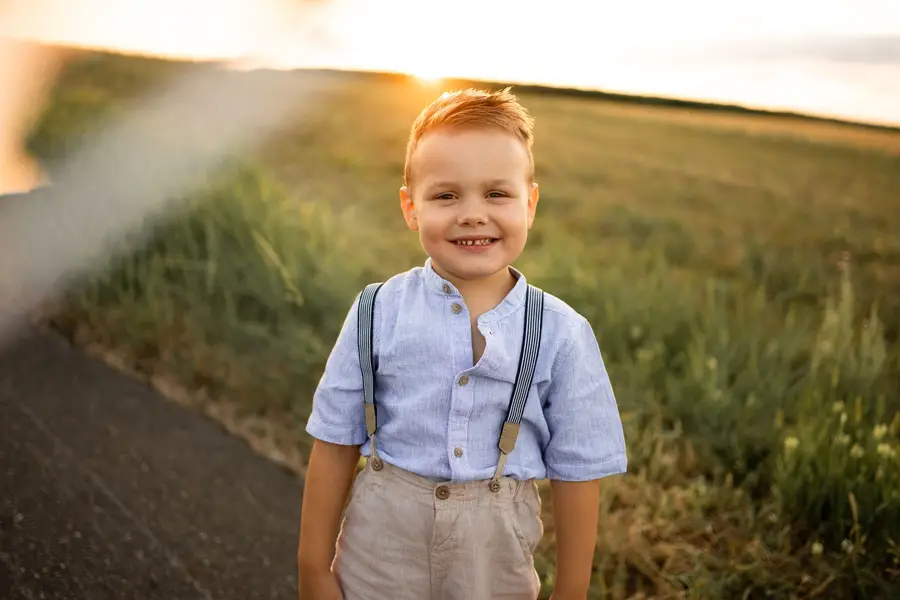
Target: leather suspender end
<point>508,437</point>
<point>370,419</point>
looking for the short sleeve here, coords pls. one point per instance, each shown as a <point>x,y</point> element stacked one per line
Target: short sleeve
<point>586,436</point>
<point>338,410</point>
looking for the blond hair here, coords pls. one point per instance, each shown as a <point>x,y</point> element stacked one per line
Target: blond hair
<point>473,108</point>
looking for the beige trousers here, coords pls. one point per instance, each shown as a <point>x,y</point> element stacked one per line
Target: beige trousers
<point>405,537</point>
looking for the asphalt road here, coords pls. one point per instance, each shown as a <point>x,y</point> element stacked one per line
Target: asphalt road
<point>108,490</point>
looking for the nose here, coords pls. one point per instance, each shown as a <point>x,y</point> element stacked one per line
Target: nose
<point>472,213</point>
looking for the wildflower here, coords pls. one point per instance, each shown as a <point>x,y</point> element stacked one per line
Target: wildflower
<point>856,451</point>
<point>847,546</point>
<point>645,355</point>
<point>636,332</point>
<point>701,488</point>
<point>837,407</point>
<point>885,450</point>
<point>843,439</point>
<point>791,443</point>
<point>712,363</point>
<point>879,431</point>
<point>843,418</point>
<point>817,548</point>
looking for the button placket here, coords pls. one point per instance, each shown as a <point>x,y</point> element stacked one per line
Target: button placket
<point>459,397</point>
<point>457,430</point>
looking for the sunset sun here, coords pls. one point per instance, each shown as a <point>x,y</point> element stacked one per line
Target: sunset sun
<point>427,75</point>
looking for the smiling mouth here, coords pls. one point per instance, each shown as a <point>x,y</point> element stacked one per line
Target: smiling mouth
<point>480,242</point>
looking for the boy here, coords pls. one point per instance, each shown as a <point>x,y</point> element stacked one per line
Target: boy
<point>440,511</point>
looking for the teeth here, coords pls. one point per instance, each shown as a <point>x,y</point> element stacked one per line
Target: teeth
<point>475,242</point>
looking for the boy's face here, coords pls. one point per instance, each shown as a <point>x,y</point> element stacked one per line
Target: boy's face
<point>471,199</point>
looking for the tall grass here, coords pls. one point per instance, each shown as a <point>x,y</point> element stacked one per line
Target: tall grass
<point>757,379</point>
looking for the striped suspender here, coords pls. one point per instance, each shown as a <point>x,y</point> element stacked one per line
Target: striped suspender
<point>365,333</point>
<point>531,342</point>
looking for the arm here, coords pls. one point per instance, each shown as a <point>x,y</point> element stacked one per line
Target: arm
<point>328,480</point>
<point>586,444</point>
<point>576,505</point>
<point>337,424</point>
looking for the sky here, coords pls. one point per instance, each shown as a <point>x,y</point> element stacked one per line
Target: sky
<point>836,58</point>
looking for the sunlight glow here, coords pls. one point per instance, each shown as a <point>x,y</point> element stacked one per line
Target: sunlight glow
<point>427,77</point>
<point>658,48</point>
<point>123,176</point>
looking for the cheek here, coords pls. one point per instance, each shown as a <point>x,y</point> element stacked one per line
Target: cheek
<point>430,225</point>
<point>514,221</point>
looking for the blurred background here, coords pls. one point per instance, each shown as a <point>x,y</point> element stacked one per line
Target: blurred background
<point>208,185</point>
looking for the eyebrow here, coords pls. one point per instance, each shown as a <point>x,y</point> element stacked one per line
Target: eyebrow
<point>441,185</point>
<point>452,184</point>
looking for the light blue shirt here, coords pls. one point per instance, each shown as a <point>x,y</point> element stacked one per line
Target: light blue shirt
<point>440,416</point>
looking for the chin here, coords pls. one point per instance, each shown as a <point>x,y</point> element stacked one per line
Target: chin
<point>471,269</point>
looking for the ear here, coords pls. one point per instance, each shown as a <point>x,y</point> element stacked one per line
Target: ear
<point>409,209</point>
<point>533,197</point>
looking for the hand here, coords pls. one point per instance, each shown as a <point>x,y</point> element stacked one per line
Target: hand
<point>567,594</point>
<point>564,596</point>
<point>319,585</point>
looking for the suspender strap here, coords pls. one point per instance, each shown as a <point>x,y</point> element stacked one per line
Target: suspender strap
<point>531,343</point>
<point>365,335</point>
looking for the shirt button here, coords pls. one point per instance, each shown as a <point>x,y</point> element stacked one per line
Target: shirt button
<point>464,380</point>
<point>442,493</point>
<point>458,452</point>
<point>446,289</point>
<point>456,308</point>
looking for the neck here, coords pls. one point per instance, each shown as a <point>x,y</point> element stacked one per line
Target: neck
<point>494,287</point>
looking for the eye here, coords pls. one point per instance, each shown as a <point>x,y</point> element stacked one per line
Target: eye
<point>445,196</point>
<point>497,194</point>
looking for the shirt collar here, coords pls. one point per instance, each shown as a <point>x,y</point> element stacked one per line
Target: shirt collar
<point>513,300</point>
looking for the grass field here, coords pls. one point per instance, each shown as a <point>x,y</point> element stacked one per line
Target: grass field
<point>742,273</point>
